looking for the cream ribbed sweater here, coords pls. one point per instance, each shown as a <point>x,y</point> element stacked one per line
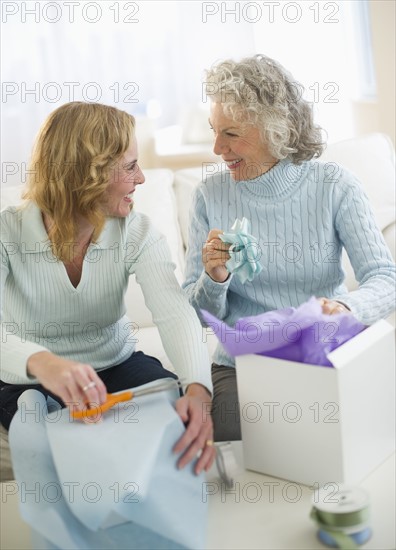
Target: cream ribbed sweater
<point>41,310</point>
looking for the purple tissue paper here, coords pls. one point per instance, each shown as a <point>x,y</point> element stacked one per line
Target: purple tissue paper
<point>303,334</point>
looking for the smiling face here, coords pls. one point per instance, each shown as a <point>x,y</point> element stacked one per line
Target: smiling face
<point>239,145</point>
<point>125,176</point>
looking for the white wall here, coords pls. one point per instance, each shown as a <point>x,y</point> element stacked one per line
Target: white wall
<point>383,19</point>
<point>166,53</point>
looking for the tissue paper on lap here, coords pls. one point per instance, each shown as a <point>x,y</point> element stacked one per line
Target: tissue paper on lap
<point>114,479</point>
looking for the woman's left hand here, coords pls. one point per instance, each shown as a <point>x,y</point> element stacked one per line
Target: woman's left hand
<point>331,307</point>
<point>194,410</point>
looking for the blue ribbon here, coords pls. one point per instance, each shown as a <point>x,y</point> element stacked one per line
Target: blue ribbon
<point>244,251</point>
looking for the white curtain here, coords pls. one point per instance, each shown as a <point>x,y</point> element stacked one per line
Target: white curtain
<point>149,57</point>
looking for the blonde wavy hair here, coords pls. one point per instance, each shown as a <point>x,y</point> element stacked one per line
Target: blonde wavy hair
<point>74,153</point>
<point>259,91</point>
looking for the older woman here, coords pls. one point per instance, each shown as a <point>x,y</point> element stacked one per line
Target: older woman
<point>264,132</point>
<point>75,243</point>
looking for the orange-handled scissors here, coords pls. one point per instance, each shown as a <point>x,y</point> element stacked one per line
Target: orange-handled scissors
<point>111,400</point>
<point>114,398</point>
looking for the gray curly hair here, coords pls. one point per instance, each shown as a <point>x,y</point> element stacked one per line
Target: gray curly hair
<point>259,91</point>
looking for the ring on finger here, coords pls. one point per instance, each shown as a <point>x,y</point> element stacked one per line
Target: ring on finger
<point>89,386</point>
<point>209,443</point>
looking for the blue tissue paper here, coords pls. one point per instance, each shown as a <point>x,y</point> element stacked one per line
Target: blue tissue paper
<point>114,484</point>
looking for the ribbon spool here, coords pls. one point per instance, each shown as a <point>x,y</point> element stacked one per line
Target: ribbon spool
<point>226,463</point>
<point>342,516</point>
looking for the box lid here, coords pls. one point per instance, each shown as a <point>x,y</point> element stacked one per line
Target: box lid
<point>359,344</point>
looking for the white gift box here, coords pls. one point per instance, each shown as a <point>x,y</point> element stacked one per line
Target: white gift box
<point>315,425</point>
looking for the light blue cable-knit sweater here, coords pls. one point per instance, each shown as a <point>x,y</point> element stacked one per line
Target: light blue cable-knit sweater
<point>41,309</point>
<point>302,216</point>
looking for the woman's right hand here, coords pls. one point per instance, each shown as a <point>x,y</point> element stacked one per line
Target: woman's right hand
<point>215,255</point>
<point>77,384</point>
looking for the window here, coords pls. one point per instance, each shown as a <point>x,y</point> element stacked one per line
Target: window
<point>149,58</point>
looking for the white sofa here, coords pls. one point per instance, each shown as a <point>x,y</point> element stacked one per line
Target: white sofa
<point>166,196</point>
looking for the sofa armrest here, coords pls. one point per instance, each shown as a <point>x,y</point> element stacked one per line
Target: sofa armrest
<point>372,159</point>
<point>389,234</point>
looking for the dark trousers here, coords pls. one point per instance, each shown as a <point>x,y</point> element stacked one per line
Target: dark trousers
<point>137,370</point>
<point>225,404</point>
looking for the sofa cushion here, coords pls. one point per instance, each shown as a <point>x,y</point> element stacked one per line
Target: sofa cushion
<point>185,182</point>
<point>157,200</point>
<point>372,159</point>
<point>10,196</point>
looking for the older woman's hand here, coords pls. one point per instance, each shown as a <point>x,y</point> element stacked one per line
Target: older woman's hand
<point>332,307</point>
<point>194,410</point>
<point>214,256</point>
<point>77,384</point>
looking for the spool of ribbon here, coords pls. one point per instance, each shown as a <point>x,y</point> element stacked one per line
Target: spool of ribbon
<point>244,251</point>
<point>227,464</point>
<point>342,516</point>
